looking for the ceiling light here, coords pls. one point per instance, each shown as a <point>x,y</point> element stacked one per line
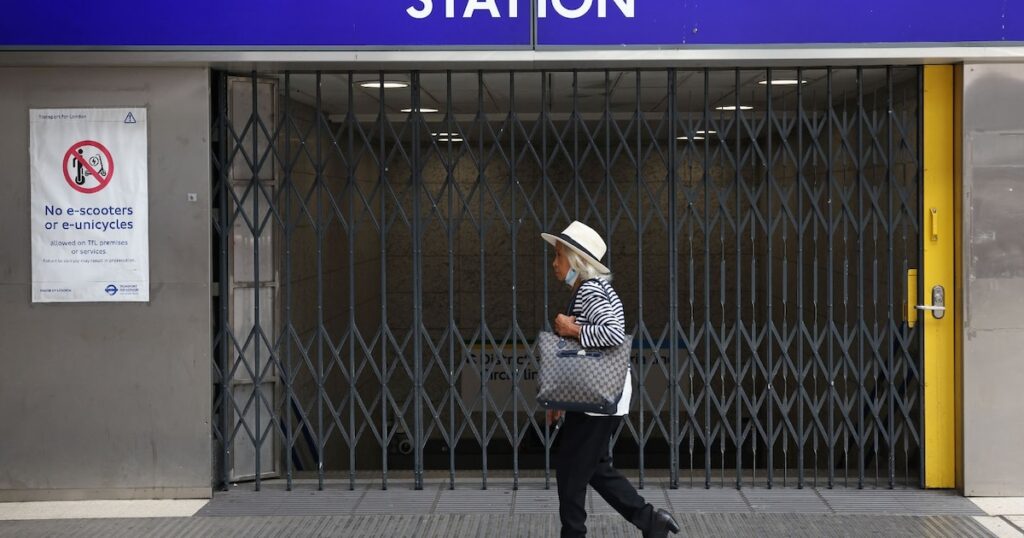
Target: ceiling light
<point>698,133</point>
<point>732,108</point>
<point>783,82</point>
<point>445,134</point>
<point>449,140</point>
<point>422,109</point>
<point>387,84</point>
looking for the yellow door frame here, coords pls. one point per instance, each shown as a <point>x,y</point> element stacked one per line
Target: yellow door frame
<point>939,228</point>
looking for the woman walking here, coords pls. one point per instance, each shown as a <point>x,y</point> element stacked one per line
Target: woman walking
<point>596,319</point>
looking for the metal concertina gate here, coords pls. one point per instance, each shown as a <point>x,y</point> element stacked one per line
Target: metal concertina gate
<point>379,276</point>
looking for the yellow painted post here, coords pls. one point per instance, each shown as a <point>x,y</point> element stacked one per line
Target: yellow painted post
<point>938,270</point>
<point>958,263</point>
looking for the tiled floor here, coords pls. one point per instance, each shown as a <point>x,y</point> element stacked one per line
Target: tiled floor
<point>500,526</point>
<point>532,498</point>
<point>530,510</point>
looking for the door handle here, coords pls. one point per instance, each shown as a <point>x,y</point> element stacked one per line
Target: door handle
<point>938,306</point>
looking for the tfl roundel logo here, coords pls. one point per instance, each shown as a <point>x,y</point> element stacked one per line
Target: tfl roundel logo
<point>111,289</point>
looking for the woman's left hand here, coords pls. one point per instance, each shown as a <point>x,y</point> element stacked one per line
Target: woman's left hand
<point>566,326</point>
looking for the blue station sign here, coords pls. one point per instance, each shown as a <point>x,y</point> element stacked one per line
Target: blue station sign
<point>778,22</point>
<point>318,24</point>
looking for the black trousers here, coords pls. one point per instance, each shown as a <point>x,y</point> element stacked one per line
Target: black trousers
<point>583,459</point>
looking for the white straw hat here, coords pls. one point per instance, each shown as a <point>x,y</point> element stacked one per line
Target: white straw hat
<point>583,240</point>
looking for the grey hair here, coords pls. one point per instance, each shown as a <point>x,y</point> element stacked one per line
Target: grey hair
<point>584,267</point>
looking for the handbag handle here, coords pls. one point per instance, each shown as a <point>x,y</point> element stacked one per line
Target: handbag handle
<point>572,300</point>
<point>568,311</point>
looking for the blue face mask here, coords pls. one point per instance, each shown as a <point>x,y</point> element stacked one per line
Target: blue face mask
<point>570,277</point>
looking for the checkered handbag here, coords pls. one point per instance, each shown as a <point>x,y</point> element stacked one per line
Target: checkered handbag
<point>576,379</point>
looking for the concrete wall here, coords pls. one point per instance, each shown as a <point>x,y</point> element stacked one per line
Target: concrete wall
<point>994,279</point>
<point>110,400</point>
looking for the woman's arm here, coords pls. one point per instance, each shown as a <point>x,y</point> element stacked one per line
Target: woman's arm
<point>567,326</point>
<point>603,311</point>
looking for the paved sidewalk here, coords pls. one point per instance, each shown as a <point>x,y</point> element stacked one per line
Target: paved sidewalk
<point>531,499</point>
<point>1004,515</point>
<point>498,526</point>
<point>500,511</point>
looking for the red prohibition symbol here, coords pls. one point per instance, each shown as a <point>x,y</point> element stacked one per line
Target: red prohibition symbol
<point>88,159</point>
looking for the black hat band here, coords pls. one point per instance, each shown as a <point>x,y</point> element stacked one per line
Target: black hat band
<point>584,249</point>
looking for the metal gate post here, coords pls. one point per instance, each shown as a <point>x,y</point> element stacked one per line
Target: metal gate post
<point>861,227</point>
<point>890,291</point>
<point>353,329</point>
<point>417,293</point>
<point>549,434</point>
<point>287,263</point>
<point>514,225</point>
<point>802,399</point>
<point>226,398</point>
<point>832,330</point>
<point>484,332</point>
<point>254,180</point>
<point>738,365</point>
<point>769,232</point>
<point>319,226</point>
<point>452,329</point>
<point>708,329</point>
<point>641,336</point>
<point>673,289</point>
<point>382,180</point>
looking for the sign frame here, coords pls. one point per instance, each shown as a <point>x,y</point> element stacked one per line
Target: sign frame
<point>495,25</point>
<point>89,237</point>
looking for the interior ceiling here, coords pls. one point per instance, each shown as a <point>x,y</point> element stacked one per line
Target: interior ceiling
<point>492,92</point>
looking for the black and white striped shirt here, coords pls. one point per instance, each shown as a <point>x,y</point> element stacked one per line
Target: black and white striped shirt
<point>598,309</point>
<point>599,312</point>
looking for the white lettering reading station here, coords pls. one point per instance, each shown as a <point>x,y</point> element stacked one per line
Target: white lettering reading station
<point>426,8</point>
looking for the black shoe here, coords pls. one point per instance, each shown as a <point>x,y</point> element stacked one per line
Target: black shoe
<point>661,523</point>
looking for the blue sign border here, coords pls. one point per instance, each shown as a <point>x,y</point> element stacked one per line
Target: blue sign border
<point>780,22</point>
<point>355,24</point>
<point>252,23</point>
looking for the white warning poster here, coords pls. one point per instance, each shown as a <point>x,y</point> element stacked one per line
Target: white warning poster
<point>90,205</point>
